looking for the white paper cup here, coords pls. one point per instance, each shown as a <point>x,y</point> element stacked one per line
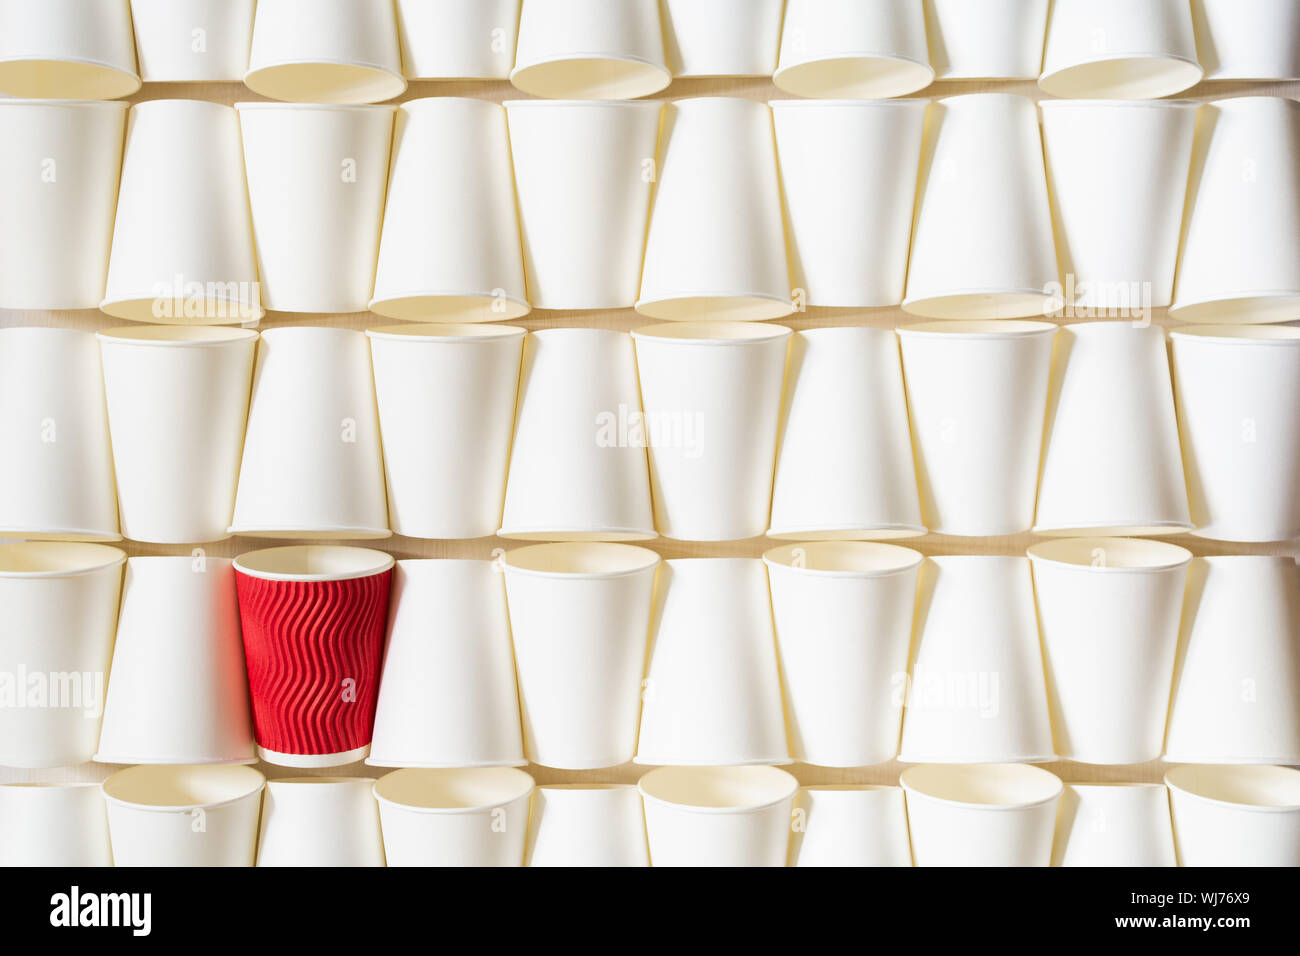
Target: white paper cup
<point>718,816</point>
<point>184,816</point>
<point>182,166</point>
<point>1109,610</point>
<point>848,171</point>
<point>193,41</point>
<point>986,39</point>
<point>844,465</point>
<point>447,697</point>
<point>446,398</point>
<point>475,817</point>
<point>58,476</point>
<point>850,826</point>
<point>712,398</point>
<point>977,692</point>
<point>578,463</point>
<point>177,701</point>
<point>843,615</point>
<point>582,825</point>
<point>457,39</point>
<point>450,246</point>
<point>1247,39</point>
<point>1235,816</point>
<point>58,189</point>
<point>316,181</point>
<point>977,397</point>
<point>1124,824</point>
<point>1111,459</point>
<point>312,467</point>
<point>722,37</point>
<point>982,245</point>
<point>583,172</point>
<point>1236,696</point>
<point>716,243</point>
<point>1127,49</point>
<point>1237,392</point>
<point>713,688</point>
<point>53,824</point>
<point>177,402</point>
<point>320,821</point>
<point>580,616</point>
<point>858,50</point>
<point>1240,260</point>
<point>67,49</point>
<point>325,51</point>
<point>990,815</point>
<point>1112,161</point>
<point>590,49</point>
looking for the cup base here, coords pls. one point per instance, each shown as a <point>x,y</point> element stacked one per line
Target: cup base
<point>313,760</point>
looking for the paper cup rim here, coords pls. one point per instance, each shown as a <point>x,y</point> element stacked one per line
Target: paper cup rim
<point>646,105</point>
<point>1113,103</point>
<point>153,760</point>
<point>586,786</point>
<point>789,788</point>
<point>657,71</point>
<point>1178,308</point>
<point>572,534</point>
<point>1174,775</point>
<point>1030,772</point>
<point>1048,78</point>
<point>1120,528</point>
<point>669,760</point>
<point>384,304</point>
<point>379,562</point>
<point>313,532</point>
<point>855,531</point>
<point>176,336</point>
<point>852,787</point>
<point>1050,553</point>
<point>116,68</point>
<point>976,760</point>
<point>120,105</point>
<point>905,559</point>
<point>1243,334</point>
<point>978,328</point>
<point>333,781</point>
<point>836,102</point>
<point>783,72</point>
<point>728,333</point>
<point>416,763</point>
<point>51,785</point>
<point>648,305</point>
<point>985,96</point>
<point>67,535</point>
<point>130,773</point>
<point>111,306</point>
<point>1233,100</point>
<point>1115,785</point>
<point>935,297</point>
<point>93,557</point>
<point>646,560</point>
<point>338,758</point>
<point>245,106</point>
<point>449,332</point>
<point>255,74</point>
<point>507,773</point>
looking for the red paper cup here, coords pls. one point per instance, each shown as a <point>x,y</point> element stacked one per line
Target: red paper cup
<point>313,620</point>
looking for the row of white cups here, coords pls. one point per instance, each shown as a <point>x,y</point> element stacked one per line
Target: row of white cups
<point>693,431</point>
<point>998,815</point>
<point>363,51</point>
<point>584,656</point>
<point>461,210</point>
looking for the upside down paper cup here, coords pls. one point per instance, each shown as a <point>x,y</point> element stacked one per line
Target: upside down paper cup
<point>1128,49</point>
<point>1247,39</point>
<point>58,479</point>
<point>58,189</point>
<point>843,48</point>
<point>712,400</point>
<point>457,39</point>
<point>177,402</point>
<point>313,620</point>
<point>580,618</point>
<point>325,51</point>
<point>467,817</point>
<point>713,688</point>
<point>1235,816</point>
<point>1237,393</point>
<point>1109,612</point>
<point>722,37</point>
<point>177,701</point>
<point>448,695</point>
<point>67,49</point>
<point>985,815</point>
<point>986,39</point>
<point>1123,824</point>
<point>184,816</point>
<point>843,616</point>
<point>56,641</point>
<point>977,399</point>
<point>718,816</point>
<point>444,479</point>
<point>850,826</point>
<point>316,181</point>
<point>193,41</point>
<point>52,824</point>
<point>581,825</point>
<point>590,49</point>
<point>449,250</point>
<point>844,464</point>
<point>320,821</point>
<point>583,174</point>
